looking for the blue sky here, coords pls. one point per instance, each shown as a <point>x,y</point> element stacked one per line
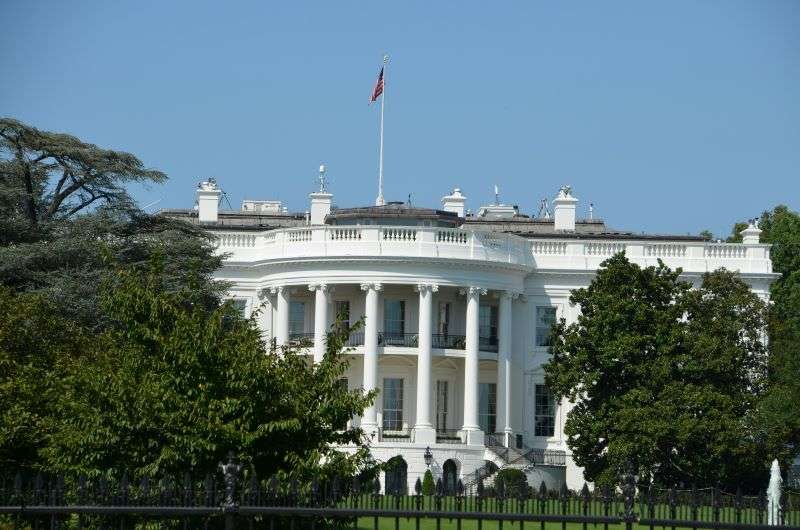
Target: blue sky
<point>671,117</point>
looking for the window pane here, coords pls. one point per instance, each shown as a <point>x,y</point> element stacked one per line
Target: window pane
<point>342,312</point>
<point>240,305</point>
<point>394,322</point>
<point>441,405</point>
<point>545,410</point>
<point>487,407</point>
<point>545,318</point>
<point>297,317</point>
<point>392,404</point>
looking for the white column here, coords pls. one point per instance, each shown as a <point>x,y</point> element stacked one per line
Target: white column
<point>423,429</point>
<point>320,319</point>
<point>282,321</point>
<point>265,316</point>
<point>474,436</point>
<point>504,367</point>
<point>369,422</point>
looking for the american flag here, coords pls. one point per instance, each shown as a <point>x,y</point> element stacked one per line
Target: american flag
<point>378,90</point>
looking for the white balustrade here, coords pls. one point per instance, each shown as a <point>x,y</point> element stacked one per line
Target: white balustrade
<point>462,244</point>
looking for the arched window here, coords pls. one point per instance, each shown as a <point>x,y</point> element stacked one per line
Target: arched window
<point>396,476</point>
<point>449,477</point>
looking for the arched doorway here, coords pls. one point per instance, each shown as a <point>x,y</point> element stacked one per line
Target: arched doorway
<point>396,476</point>
<point>449,476</point>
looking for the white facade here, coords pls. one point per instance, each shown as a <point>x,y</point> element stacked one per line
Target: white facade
<point>455,323</point>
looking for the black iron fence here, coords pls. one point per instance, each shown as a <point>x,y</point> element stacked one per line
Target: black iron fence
<point>237,499</point>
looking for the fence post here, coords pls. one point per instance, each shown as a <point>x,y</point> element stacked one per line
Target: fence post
<point>230,473</point>
<point>629,491</point>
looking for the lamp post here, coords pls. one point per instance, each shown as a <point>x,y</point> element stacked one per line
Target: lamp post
<point>428,456</point>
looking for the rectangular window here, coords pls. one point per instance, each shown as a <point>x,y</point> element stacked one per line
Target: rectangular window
<point>545,409</point>
<point>441,406</point>
<point>545,318</point>
<point>341,312</point>
<point>487,327</point>
<point>240,305</point>
<point>444,318</point>
<point>297,317</point>
<point>487,407</point>
<point>392,404</point>
<point>394,319</point>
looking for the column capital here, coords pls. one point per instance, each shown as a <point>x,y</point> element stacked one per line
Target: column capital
<point>319,286</point>
<point>513,295</point>
<point>265,295</point>
<point>276,289</point>
<point>375,286</point>
<point>472,291</point>
<point>427,287</point>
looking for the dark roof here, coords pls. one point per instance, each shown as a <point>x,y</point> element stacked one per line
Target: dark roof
<point>392,210</point>
<point>232,219</point>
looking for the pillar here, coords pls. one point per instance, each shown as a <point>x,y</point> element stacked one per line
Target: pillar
<point>471,427</point>
<point>320,319</point>
<point>282,320</point>
<point>424,431</point>
<point>504,368</point>
<point>369,422</point>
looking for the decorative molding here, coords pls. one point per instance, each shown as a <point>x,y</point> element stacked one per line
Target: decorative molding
<point>276,289</point>
<point>427,287</point>
<point>375,286</point>
<point>473,291</point>
<point>321,286</point>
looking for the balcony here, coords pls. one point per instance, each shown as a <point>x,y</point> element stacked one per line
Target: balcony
<point>407,340</point>
<point>448,436</point>
<point>447,341</point>
<point>396,436</point>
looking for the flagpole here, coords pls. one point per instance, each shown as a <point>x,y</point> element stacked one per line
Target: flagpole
<point>380,201</point>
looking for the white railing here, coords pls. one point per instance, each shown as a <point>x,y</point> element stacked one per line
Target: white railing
<point>462,244</point>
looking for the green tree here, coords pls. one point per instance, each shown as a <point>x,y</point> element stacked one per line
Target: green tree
<point>779,423</point>
<point>662,375</point>
<point>428,486</point>
<point>36,345</point>
<point>515,483</point>
<point>176,386</point>
<point>66,217</point>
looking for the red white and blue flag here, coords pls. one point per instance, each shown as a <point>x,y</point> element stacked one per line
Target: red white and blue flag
<point>378,90</point>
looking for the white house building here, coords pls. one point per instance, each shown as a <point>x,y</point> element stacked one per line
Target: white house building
<point>457,308</point>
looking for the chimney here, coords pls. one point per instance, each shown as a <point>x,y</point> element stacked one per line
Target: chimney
<point>751,235</point>
<point>320,200</point>
<point>564,210</point>
<point>208,194</point>
<point>454,202</point>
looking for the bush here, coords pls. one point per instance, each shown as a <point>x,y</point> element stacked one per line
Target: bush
<point>515,483</point>
<point>428,486</point>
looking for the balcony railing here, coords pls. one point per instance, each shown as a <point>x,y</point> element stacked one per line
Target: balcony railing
<point>487,344</point>
<point>448,436</point>
<point>397,436</point>
<point>409,340</point>
<point>447,341</point>
<point>355,339</point>
<point>301,339</point>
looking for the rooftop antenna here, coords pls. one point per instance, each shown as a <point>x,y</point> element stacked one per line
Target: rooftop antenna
<point>227,200</point>
<point>409,200</point>
<point>496,195</point>
<point>544,209</point>
<point>323,183</point>
<point>591,211</point>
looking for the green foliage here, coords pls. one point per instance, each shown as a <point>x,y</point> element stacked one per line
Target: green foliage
<point>428,485</point>
<point>663,376</point>
<point>36,345</point>
<point>515,483</point>
<point>779,422</point>
<point>176,386</point>
<point>46,176</point>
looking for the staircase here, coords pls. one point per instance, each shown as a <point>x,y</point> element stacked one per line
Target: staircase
<point>501,457</point>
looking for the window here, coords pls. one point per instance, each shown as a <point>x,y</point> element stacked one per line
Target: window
<point>487,327</point>
<point>392,404</point>
<point>441,406</point>
<point>444,318</point>
<point>545,318</point>
<point>545,409</point>
<point>394,317</point>
<point>297,317</point>
<point>240,306</point>
<point>341,310</point>
<point>487,406</point>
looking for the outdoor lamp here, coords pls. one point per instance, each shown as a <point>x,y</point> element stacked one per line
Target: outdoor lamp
<point>428,456</point>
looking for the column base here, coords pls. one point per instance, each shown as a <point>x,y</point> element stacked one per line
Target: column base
<point>473,436</point>
<point>425,434</point>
